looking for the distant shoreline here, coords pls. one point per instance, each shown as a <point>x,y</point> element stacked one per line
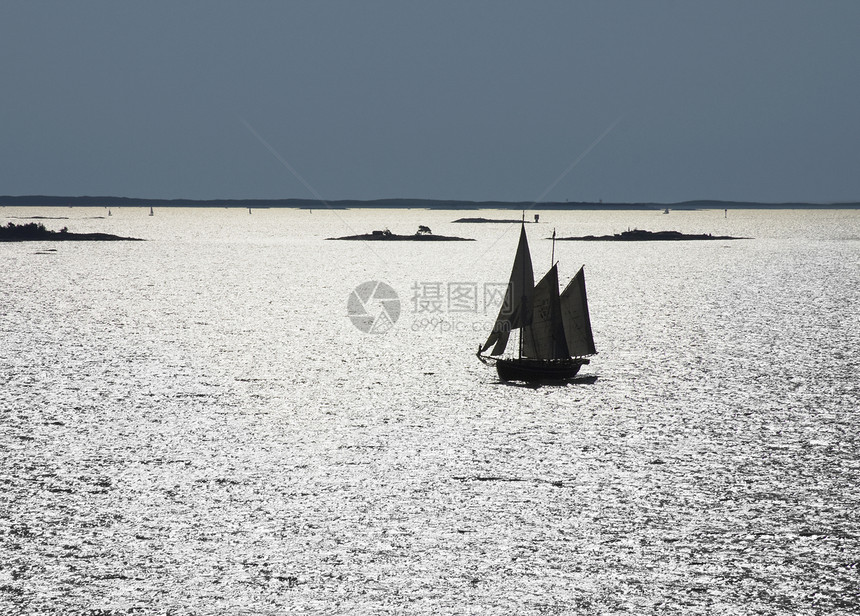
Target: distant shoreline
<point>430,204</point>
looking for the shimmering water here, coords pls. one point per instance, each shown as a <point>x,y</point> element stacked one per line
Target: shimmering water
<point>193,425</point>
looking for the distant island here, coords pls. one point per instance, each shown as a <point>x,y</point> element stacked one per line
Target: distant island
<point>422,235</point>
<point>493,220</point>
<point>36,232</point>
<point>638,235</point>
<point>406,203</point>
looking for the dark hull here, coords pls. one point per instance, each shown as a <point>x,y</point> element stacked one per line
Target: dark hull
<point>532,370</point>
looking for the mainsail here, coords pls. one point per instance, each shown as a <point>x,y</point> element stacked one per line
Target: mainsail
<point>516,308</point>
<point>574,314</point>
<point>544,338</point>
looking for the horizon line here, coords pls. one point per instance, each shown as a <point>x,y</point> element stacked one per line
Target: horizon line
<point>108,200</point>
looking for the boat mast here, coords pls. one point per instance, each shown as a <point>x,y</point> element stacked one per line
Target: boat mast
<point>523,301</point>
<point>552,259</point>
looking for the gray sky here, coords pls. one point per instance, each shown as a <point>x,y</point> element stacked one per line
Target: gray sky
<point>734,100</point>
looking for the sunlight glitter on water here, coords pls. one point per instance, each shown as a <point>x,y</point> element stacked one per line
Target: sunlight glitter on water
<point>193,424</point>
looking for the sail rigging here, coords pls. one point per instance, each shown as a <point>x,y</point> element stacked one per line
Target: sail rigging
<point>555,329</point>
<point>516,307</point>
<point>544,337</point>
<point>574,313</point>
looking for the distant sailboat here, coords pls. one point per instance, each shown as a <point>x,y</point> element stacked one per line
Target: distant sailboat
<point>555,329</point>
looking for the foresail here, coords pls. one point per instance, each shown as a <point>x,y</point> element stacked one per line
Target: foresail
<point>574,312</point>
<point>544,337</point>
<point>516,308</point>
<point>501,342</point>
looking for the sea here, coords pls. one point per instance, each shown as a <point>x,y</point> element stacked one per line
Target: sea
<point>240,416</point>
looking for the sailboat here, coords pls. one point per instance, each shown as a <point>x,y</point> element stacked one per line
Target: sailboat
<point>555,329</point>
